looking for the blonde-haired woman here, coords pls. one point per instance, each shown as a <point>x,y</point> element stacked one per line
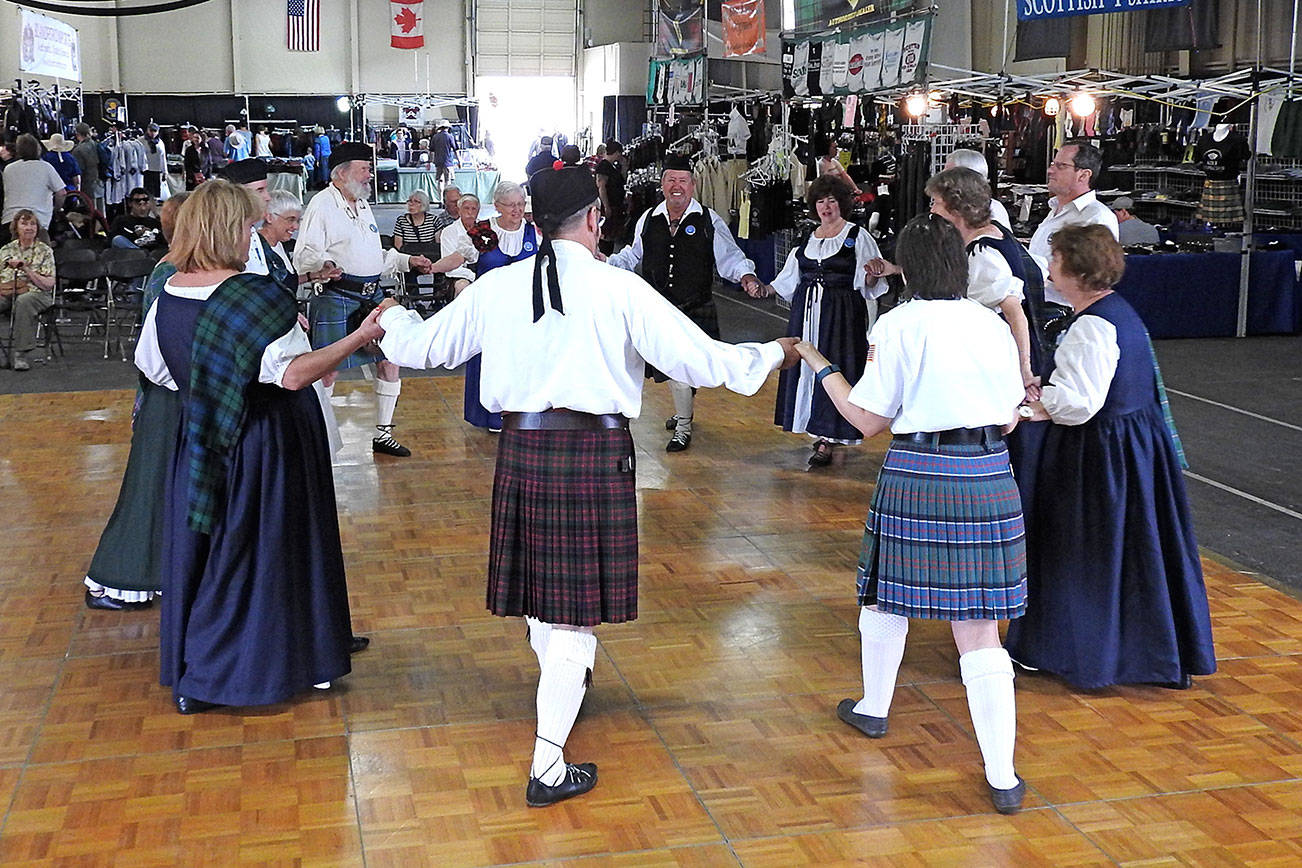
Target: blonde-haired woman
<point>255,608</point>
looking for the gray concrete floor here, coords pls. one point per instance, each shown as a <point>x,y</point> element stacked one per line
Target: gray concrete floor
<point>1237,404</point>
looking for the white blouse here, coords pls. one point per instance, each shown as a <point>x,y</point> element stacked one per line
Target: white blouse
<point>865,249</point>
<point>509,241</point>
<point>934,365</point>
<point>275,358</point>
<point>1085,363</point>
<point>990,280</point>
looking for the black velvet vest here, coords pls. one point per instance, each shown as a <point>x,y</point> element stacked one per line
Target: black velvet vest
<point>680,266</point>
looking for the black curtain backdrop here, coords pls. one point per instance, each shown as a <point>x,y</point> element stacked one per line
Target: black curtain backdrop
<point>1183,28</point>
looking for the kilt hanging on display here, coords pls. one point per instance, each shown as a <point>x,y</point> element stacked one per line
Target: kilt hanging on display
<point>1221,202</point>
<point>944,537</point>
<point>564,537</point>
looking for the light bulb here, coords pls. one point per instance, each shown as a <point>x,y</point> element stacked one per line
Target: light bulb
<point>344,104</point>
<point>916,104</point>
<point>1082,105</point>
<point>1052,106</point>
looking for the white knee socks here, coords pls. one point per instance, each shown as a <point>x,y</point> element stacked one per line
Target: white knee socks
<point>683,403</point>
<point>386,399</point>
<point>539,633</point>
<point>571,651</point>
<point>881,649</point>
<point>988,677</point>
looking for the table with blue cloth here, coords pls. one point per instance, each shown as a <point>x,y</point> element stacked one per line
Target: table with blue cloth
<point>1196,295</point>
<point>481,183</point>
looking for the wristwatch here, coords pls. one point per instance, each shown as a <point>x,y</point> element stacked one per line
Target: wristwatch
<point>1025,411</point>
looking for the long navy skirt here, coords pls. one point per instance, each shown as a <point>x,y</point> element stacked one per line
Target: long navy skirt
<point>1116,592</point>
<point>837,323</point>
<point>476,413</point>
<point>258,611</point>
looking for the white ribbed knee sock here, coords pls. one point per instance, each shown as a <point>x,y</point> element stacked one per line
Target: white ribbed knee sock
<point>571,651</point>
<point>988,677</point>
<point>683,404</point>
<point>881,648</point>
<point>386,399</point>
<point>539,633</point>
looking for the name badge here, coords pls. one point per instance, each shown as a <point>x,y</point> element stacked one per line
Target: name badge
<point>690,230</point>
<point>374,228</point>
<point>849,242</point>
<point>528,247</point>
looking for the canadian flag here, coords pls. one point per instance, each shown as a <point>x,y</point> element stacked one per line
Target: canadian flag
<point>406,23</point>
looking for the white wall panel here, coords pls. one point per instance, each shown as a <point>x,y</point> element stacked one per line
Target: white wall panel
<point>526,37</point>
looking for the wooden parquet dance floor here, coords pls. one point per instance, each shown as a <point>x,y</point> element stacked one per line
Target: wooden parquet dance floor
<point>711,718</point>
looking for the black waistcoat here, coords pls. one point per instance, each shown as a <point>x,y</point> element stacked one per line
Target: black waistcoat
<point>680,266</point>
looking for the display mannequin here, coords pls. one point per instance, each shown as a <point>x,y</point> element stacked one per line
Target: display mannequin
<point>1222,154</point>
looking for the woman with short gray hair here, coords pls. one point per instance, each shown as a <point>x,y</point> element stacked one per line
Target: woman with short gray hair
<point>416,226</point>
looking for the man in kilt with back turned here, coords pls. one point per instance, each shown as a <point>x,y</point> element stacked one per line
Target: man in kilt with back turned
<point>565,339</point>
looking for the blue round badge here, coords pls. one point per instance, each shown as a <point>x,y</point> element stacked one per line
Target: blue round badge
<point>690,230</point>
<point>849,242</point>
<point>374,228</point>
<point>528,247</point>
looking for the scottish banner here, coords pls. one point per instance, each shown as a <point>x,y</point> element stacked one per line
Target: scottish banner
<point>1032,10</point>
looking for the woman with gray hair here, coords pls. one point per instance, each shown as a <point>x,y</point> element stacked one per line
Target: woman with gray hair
<point>416,226</point>
<point>491,243</point>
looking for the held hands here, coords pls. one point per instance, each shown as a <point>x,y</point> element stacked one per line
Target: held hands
<point>421,264</point>
<point>879,267</point>
<point>751,285</point>
<point>791,356</point>
<point>816,360</point>
<point>327,273</point>
<point>370,327</point>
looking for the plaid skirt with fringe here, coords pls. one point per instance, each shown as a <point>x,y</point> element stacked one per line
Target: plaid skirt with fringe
<point>1221,202</point>
<point>944,537</point>
<point>563,547</point>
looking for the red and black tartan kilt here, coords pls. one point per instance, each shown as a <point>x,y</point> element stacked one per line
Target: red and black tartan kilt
<point>564,538</point>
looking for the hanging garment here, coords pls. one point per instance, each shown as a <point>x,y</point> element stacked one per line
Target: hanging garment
<point>1267,116</point>
<point>891,54</point>
<point>743,27</point>
<point>841,65</point>
<point>872,60</point>
<point>800,69</point>
<point>855,70</point>
<point>829,60</point>
<point>911,58</point>
<point>815,68</point>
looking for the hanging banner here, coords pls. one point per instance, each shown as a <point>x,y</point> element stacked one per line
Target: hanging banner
<point>1032,10</point>
<point>406,24</point>
<point>48,46</point>
<point>676,82</point>
<point>743,27</point>
<point>857,61</point>
<point>680,27</point>
<point>827,14</point>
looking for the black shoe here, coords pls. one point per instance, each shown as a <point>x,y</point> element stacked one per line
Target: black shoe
<point>384,444</point>
<point>358,643</point>
<point>190,705</point>
<point>822,454</point>
<point>679,442</point>
<point>1185,682</point>
<point>1008,801</point>
<point>873,727</point>
<point>108,604</point>
<point>578,779</point>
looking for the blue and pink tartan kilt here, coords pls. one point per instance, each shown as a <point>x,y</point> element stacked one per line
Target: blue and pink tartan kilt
<point>563,547</point>
<point>944,537</point>
<point>328,320</point>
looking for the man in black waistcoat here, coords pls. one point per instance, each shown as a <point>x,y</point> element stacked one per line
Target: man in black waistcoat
<point>677,248</point>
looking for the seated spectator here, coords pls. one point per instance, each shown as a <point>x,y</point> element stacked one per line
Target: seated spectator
<point>1132,230</point>
<point>56,154</point>
<point>26,280</point>
<point>138,228</point>
<point>31,184</point>
<point>415,226</point>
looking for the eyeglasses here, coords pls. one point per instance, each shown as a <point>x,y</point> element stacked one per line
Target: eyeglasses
<point>1057,164</point>
<point>140,199</point>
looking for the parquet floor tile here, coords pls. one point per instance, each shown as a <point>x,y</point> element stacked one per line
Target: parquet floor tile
<point>281,801</point>
<point>733,651</point>
<point>454,795</point>
<point>1031,838</point>
<point>112,705</point>
<point>1241,826</point>
<point>712,716</point>
<point>788,765</point>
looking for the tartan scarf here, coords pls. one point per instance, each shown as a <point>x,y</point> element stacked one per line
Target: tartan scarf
<point>245,314</point>
<point>158,278</point>
<point>1166,405</point>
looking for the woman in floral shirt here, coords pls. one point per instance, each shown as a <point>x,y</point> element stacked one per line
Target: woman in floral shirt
<point>26,281</point>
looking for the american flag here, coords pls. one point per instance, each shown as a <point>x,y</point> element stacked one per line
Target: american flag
<point>303,25</point>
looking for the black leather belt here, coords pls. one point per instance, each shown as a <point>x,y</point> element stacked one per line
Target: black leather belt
<point>562,420</point>
<point>353,289</point>
<point>954,437</point>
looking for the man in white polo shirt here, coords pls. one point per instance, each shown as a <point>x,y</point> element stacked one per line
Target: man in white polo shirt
<point>1071,178</point>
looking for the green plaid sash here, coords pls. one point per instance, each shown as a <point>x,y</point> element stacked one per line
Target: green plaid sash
<point>1166,405</point>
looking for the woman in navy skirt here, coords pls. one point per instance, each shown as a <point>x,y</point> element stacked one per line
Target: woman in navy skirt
<point>255,607</point>
<point>1117,594</point>
<point>944,536</point>
<point>832,307</point>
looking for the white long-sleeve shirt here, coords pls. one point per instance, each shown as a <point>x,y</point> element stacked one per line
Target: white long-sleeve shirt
<point>865,249</point>
<point>1084,210</point>
<point>1084,365</point>
<point>346,234</point>
<point>729,261</point>
<point>590,359</point>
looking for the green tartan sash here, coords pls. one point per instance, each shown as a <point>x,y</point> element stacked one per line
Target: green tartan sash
<point>245,314</point>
